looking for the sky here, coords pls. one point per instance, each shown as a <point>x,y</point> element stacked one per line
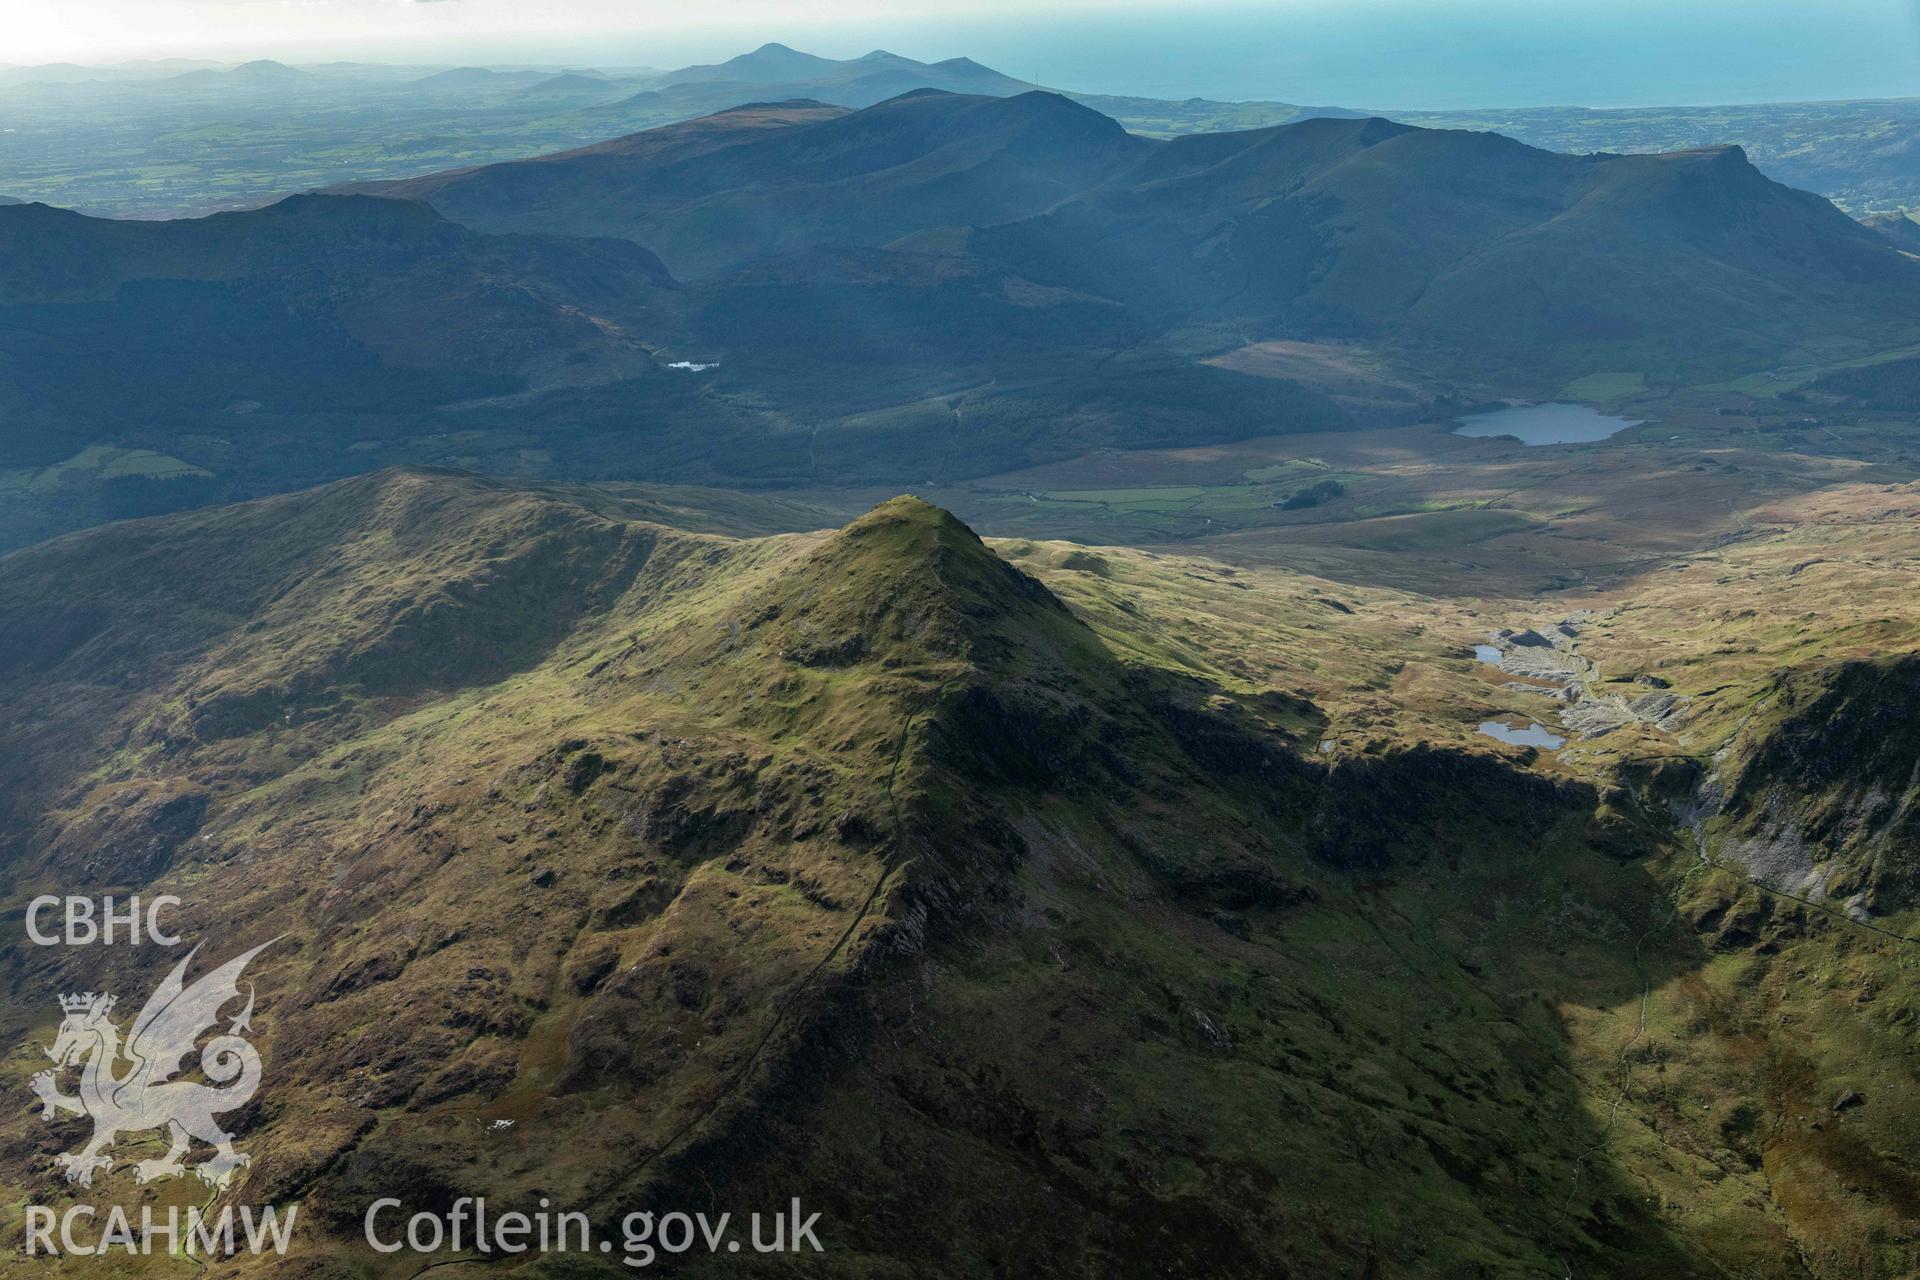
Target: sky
<point>1365,53</point>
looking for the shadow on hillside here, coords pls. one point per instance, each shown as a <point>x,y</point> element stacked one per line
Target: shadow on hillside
<point>1140,1067</point>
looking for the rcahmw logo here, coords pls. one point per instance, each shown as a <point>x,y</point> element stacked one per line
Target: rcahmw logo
<point>127,1083</point>
<point>83,1232</point>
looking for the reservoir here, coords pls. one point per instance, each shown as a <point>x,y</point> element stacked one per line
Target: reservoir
<point>1552,423</point>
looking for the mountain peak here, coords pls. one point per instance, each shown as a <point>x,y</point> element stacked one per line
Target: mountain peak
<point>925,91</point>
<point>910,576</point>
<point>1377,129</point>
<point>788,104</point>
<point>910,510</point>
<point>340,210</point>
<point>1059,116</point>
<point>1047,98</point>
<point>770,63</point>
<point>912,525</point>
<point>263,67</point>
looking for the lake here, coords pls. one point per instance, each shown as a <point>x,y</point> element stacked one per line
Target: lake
<point>1534,735</point>
<point>1551,423</point>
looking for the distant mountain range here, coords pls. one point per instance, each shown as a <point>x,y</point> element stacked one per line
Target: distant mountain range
<point>322,124</point>
<point>936,285</point>
<point>265,72</point>
<point>1497,252</point>
<point>878,73</point>
<point>75,73</point>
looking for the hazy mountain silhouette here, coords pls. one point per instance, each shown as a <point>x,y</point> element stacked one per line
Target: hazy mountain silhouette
<point>1344,227</point>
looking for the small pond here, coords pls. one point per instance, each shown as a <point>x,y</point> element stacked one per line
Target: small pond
<point>1533,735</point>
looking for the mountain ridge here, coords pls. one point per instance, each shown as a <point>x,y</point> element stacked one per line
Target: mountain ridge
<point>1327,227</point>
<point>938,287</point>
<point>392,278</point>
<point>889,866</point>
<point>863,804</point>
<point>1471,240</point>
<point>934,155</point>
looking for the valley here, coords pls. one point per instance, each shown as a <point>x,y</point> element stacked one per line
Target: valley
<point>1424,509</point>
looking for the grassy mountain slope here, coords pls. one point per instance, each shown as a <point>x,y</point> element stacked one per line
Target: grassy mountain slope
<point>862,866</point>
<point>1903,231</point>
<point>1859,154</point>
<point>547,188</point>
<point>150,366</point>
<point>1791,780</point>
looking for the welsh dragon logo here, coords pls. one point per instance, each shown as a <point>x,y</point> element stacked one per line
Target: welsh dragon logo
<point>145,1095</point>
